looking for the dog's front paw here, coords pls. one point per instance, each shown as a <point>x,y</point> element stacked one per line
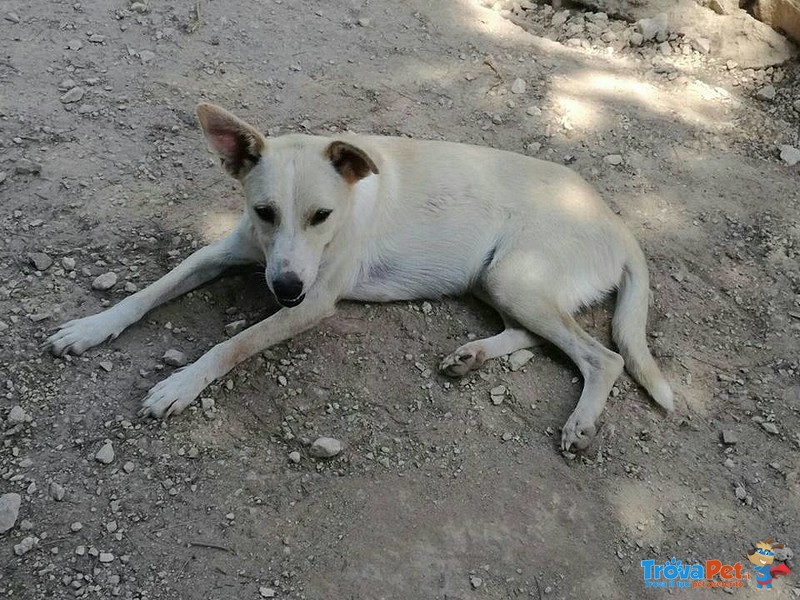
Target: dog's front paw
<point>79,335</point>
<point>577,433</point>
<point>173,395</point>
<point>462,361</point>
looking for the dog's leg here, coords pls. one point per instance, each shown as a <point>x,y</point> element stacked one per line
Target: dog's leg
<point>531,304</point>
<point>473,354</point>
<point>178,391</point>
<point>207,263</point>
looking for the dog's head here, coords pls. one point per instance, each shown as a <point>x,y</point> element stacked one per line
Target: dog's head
<point>299,191</point>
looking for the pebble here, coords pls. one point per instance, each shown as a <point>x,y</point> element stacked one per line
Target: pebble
<point>96,38</point>
<point>76,527</point>
<point>57,491</point>
<point>12,16</point>
<point>25,546</point>
<point>75,45</point>
<point>784,554</point>
<point>207,404</point>
<point>27,167</point>
<point>9,510</point>
<point>741,493</point>
<point>106,454</point>
<point>636,39</point>
<point>40,261</point>
<point>105,281</point>
<point>106,557</point>
<point>519,86</point>
<point>729,437</point>
<point>613,159</point>
<point>128,467</point>
<point>770,427</point>
<point>174,358</point>
<point>294,457</point>
<point>231,329</point>
<point>475,581</point>
<point>654,28</point>
<point>146,56</point>
<point>73,95</point>
<point>106,366</point>
<point>193,452</point>
<point>519,359</point>
<point>766,93</point>
<point>68,263</point>
<point>3,176</point>
<point>789,154</point>
<point>17,415</point>
<point>364,22</point>
<point>701,44</point>
<point>325,447</point>
<point>266,592</point>
<point>507,436</point>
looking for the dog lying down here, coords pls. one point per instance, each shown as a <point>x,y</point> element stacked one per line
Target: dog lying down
<point>380,219</point>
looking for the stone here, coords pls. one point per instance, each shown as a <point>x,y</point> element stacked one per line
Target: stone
<point>519,86</point>
<point>498,390</point>
<point>231,329</point>
<point>475,581</point>
<point>73,95</point>
<point>174,358</point>
<point>106,366</point>
<point>12,17</point>
<point>27,167</point>
<point>57,491</point>
<point>146,56</point>
<point>783,15</point>
<point>266,592</point>
<point>783,554</point>
<point>68,263</point>
<point>325,447</point>
<point>724,7</point>
<point>105,281</point>
<point>766,93</point>
<point>729,437</point>
<point>701,44</point>
<point>654,27</point>
<point>75,45</point>
<point>769,427</point>
<point>106,557</point>
<point>613,159</point>
<point>128,467</point>
<point>207,404</point>
<point>636,39</point>
<point>96,38</point>
<point>76,527</point>
<point>789,154</point>
<point>25,546</point>
<point>519,359</point>
<point>364,22</point>
<point>106,454</point>
<point>9,510</point>
<point>740,492</point>
<point>294,457</point>
<point>17,415</point>
<point>40,261</point>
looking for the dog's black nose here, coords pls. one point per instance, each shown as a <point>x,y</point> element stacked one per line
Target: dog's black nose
<point>288,289</point>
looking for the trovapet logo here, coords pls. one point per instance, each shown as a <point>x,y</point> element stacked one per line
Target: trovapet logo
<point>675,574</point>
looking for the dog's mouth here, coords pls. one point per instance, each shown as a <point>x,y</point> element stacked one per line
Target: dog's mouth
<point>290,302</point>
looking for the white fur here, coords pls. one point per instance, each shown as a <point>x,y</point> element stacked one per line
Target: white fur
<point>529,237</point>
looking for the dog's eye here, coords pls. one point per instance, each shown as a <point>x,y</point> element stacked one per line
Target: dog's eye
<point>320,216</point>
<point>266,213</point>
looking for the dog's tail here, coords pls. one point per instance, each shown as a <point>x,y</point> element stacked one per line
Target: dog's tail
<point>629,323</point>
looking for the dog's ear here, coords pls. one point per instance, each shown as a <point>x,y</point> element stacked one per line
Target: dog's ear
<point>352,163</point>
<point>238,144</point>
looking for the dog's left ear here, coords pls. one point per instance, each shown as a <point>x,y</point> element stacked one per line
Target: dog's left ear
<point>352,163</point>
<point>238,144</point>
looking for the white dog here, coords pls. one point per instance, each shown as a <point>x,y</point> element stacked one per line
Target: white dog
<point>381,219</point>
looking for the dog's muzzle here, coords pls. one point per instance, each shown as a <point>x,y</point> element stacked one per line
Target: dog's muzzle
<point>288,290</point>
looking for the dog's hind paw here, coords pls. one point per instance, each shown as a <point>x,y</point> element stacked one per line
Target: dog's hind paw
<point>462,361</point>
<point>577,434</point>
<point>171,396</point>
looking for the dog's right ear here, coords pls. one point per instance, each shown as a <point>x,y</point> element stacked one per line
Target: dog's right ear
<point>238,144</point>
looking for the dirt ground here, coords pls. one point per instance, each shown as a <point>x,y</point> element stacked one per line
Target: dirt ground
<point>439,493</point>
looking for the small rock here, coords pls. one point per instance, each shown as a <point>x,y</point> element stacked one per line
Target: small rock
<point>507,436</point>
<point>25,546</point>
<point>519,359</point>
<point>636,39</point>
<point>3,176</point>
<point>364,22</point>
<point>146,56</point>
<point>701,44</point>
<point>106,366</point>
<point>106,557</point>
<point>770,427</point>
<point>740,492</point>
<point>533,111</point>
<point>85,109</point>
<point>654,28</point>
<point>73,95</point>
<point>231,329</point>
<point>325,447</point>
<point>9,510</point>
<point>106,454</point>
<point>96,38</point>
<point>174,358</point>
<point>519,86</point>
<point>207,404</point>
<point>498,390</point>
<point>193,452</point>
<point>128,467</point>
<point>105,281</point>
<point>75,45</point>
<point>68,263</point>
<point>294,457</point>
<point>266,592</point>
<point>76,527</point>
<point>766,93</point>
<point>789,154</point>
<point>613,159</point>
<point>475,581</point>
<point>783,554</point>
<point>139,7</point>
<point>17,415</point>
<point>27,167</point>
<point>12,16</point>
<point>57,491</point>
<point>427,308</point>
<point>40,261</point>
<point>729,437</point>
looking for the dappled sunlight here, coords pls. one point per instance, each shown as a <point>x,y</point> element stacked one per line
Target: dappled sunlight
<point>217,225</point>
